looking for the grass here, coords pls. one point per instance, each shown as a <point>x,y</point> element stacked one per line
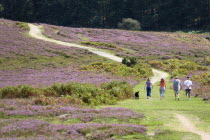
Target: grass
<point>23,25</point>
<point>160,114</point>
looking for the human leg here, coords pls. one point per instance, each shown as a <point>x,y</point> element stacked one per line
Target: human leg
<point>175,93</point>
<point>188,93</point>
<point>178,96</point>
<point>148,92</point>
<point>178,93</point>
<point>162,91</point>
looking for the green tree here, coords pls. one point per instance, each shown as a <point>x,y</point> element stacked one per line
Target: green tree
<point>1,7</point>
<point>129,24</point>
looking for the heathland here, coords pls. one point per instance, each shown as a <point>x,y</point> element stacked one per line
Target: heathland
<point>51,91</point>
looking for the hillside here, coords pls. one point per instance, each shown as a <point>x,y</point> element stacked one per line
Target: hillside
<point>25,60</point>
<point>72,93</point>
<point>144,45</point>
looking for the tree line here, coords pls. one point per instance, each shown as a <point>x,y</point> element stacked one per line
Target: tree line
<point>152,14</point>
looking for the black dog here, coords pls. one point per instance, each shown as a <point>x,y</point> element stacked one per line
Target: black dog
<point>137,95</point>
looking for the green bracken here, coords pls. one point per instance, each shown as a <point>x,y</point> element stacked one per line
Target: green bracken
<point>79,93</point>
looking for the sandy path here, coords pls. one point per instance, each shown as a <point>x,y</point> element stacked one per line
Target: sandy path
<point>36,33</point>
<point>188,126</point>
<point>158,75</point>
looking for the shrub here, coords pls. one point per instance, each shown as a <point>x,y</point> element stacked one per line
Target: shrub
<point>21,91</point>
<point>72,92</point>
<point>129,24</point>
<point>129,61</point>
<point>119,89</point>
<point>81,93</point>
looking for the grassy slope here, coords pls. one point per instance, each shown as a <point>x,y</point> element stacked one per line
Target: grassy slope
<point>160,114</point>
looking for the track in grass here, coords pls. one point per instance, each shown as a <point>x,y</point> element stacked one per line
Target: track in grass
<point>191,128</point>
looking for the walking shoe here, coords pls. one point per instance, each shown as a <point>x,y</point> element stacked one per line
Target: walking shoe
<point>178,98</point>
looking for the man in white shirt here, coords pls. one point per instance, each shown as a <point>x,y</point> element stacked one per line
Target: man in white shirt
<point>188,87</point>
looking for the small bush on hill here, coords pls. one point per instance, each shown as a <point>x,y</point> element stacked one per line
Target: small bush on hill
<point>98,44</point>
<point>130,24</point>
<point>130,61</point>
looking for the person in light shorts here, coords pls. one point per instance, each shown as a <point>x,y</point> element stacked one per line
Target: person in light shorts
<point>162,88</point>
<point>177,84</point>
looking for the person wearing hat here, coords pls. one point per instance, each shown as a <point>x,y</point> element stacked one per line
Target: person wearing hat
<point>177,84</point>
<point>188,87</point>
<point>162,88</point>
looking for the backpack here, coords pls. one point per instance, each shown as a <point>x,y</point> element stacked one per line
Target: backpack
<point>176,83</point>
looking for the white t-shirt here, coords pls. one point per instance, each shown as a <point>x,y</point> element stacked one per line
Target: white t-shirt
<point>188,84</point>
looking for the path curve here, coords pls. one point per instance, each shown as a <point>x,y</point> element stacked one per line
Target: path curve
<point>36,33</point>
<point>188,126</point>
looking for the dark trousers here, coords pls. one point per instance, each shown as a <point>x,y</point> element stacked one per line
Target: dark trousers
<point>188,92</point>
<point>149,90</point>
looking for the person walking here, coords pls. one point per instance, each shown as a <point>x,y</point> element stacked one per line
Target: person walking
<point>177,84</point>
<point>162,88</point>
<point>188,87</point>
<point>148,86</point>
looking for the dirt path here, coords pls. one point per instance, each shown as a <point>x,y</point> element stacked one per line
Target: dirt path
<point>188,126</point>
<point>36,33</point>
<point>158,75</point>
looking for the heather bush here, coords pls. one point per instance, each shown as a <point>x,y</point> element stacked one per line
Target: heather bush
<point>129,24</point>
<point>21,91</point>
<point>98,44</point>
<point>37,129</point>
